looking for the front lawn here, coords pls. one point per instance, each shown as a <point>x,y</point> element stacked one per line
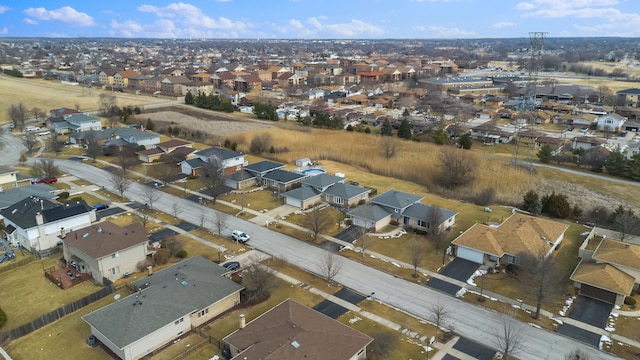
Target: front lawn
<point>336,219</point>
<point>399,248</point>
<point>257,200</point>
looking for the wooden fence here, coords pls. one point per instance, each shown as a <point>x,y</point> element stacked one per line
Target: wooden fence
<point>17,263</point>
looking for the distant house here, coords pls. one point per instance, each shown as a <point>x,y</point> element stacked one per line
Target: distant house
<point>35,223</point>
<point>292,331</point>
<point>168,304</point>
<point>610,122</point>
<point>8,178</point>
<point>106,250</point>
<point>77,123</point>
<point>586,142</point>
<point>282,180</point>
<point>328,188</point>
<point>119,137</point>
<point>502,245</point>
<point>261,168</point>
<point>490,134</point>
<point>556,144</point>
<point>121,78</point>
<point>401,207</point>
<point>228,161</point>
<point>610,273</point>
<point>62,113</point>
<point>629,97</point>
<point>184,148</point>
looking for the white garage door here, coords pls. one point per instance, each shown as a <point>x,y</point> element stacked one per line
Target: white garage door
<point>471,255</point>
<point>294,202</point>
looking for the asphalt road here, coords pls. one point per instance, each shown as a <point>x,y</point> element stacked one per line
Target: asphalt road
<point>471,321</point>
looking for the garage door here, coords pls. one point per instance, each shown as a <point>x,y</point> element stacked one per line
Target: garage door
<point>294,202</point>
<point>597,293</point>
<point>471,255</point>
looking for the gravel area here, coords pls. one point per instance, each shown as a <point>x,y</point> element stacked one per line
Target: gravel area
<point>206,124</point>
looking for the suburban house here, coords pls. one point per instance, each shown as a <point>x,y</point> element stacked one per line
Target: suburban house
<point>402,208</point>
<point>282,180</point>
<point>167,305</point>
<point>240,180</point>
<point>35,223</point>
<point>118,137</point>
<point>610,122</point>
<point>328,188</point>
<point>77,123</point>
<point>292,331</point>
<point>61,114</point>
<point>586,142</point>
<point>106,250</point>
<point>11,196</point>
<point>629,97</point>
<point>501,245</point>
<point>556,144</point>
<point>490,134</point>
<point>179,148</point>
<point>228,161</point>
<point>609,269</point>
<point>8,178</point>
<point>261,168</point>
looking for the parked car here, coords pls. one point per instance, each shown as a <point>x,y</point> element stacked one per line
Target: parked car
<point>232,266</point>
<point>31,128</point>
<point>240,236</point>
<point>43,180</point>
<point>100,206</point>
<point>44,133</point>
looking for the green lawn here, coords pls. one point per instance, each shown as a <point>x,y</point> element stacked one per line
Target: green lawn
<point>26,294</point>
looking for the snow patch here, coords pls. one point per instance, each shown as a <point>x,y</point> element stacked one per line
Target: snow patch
<point>354,320</point>
<point>604,339</point>
<point>461,292</point>
<point>396,264</point>
<point>475,274</point>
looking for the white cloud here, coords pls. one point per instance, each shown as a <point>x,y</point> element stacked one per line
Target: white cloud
<point>30,21</point>
<point>3,9</point>
<point>449,32</point>
<point>194,19</point>
<point>419,28</point>
<point>65,14</point>
<point>503,24</point>
<point>525,6</point>
<point>4,31</point>
<point>318,27</point>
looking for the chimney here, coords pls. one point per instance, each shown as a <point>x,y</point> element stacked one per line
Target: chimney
<point>242,322</point>
<point>63,234</point>
<point>39,218</point>
<point>149,270</point>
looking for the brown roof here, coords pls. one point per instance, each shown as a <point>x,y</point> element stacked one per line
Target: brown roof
<point>550,140</point>
<point>519,233</point>
<point>148,152</point>
<point>105,238</point>
<point>174,143</point>
<point>128,74</point>
<point>274,334</point>
<point>603,276</point>
<point>619,253</point>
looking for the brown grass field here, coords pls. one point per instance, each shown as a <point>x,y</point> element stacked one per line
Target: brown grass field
<point>48,95</point>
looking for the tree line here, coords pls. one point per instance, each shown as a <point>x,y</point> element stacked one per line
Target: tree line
<point>210,101</point>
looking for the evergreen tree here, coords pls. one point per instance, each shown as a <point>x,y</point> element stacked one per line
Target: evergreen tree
<point>616,163</point>
<point>385,129</point>
<point>439,136</point>
<point>149,125</point>
<point>404,132</point>
<point>188,99</point>
<point>633,167</point>
<point>465,142</point>
<point>544,154</point>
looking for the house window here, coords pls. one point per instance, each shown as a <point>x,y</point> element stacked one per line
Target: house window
<point>179,321</point>
<point>338,200</point>
<point>203,312</point>
<point>422,223</point>
<point>513,260</point>
<point>115,255</point>
<point>114,271</point>
<point>405,220</point>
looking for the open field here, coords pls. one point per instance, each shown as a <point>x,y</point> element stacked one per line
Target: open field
<point>48,95</point>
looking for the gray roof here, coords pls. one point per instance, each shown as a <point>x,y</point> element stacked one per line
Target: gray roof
<point>321,181</point>
<point>195,163</point>
<point>632,91</point>
<point>12,196</point>
<point>240,176</point>
<point>7,170</point>
<point>283,176</point>
<point>122,132</point>
<point>302,193</point>
<point>23,212</point>
<point>396,199</point>
<point>264,166</point>
<point>346,191</point>
<point>422,212</point>
<point>219,153</point>
<point>166,296</point>
<point>370,211</point>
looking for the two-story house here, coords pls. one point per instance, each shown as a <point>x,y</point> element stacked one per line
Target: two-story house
<point>610,122</point>
<point>228,161</point>
<point>77,123</point>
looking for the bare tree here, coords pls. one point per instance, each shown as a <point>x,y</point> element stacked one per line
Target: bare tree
<point>439,315</point>
<point>93,149</point>
<point>163,171</point>
<point>384,344</point>
<point>37,113</point>
<point>436,234</point>
<point>510,334</point>
<point>389,146</point>
<point>625,221</point>
<point>108,104</point>
<point>18,115</point>
<point>30,141</point>
<point>120,182</point>
<point>175,208</point>
<point>365,214</point>
<point>124,157</point>
<point>577,354</point>
<point>55,144</point>
<point>260,143</point>
<point>45,168</point>
<point>330,266</point>
<point>457,167</point>
<point>151,194</point>
<point>203,218</point>
<point>417,254</point>
<point>540,275</point>
<point>211,178</point>
<point>317,221</point>
<point>220,221</point>
<point>258,280</point>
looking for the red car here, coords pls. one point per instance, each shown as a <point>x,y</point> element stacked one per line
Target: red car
<point>42,180</point>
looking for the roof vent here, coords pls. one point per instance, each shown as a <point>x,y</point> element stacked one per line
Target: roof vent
<point>99,230</point>
<point>295,344</point>
<point>184,283</point>
<point>85,235</point>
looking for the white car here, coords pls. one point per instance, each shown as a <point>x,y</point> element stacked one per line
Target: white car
<point>31,128</point>
<point>240,236</point>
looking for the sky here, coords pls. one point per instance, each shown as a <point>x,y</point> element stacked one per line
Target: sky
<point>319,19</point>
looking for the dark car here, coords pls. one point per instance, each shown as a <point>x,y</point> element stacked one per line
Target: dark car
<point>232,266</point>
<point>100,206</point>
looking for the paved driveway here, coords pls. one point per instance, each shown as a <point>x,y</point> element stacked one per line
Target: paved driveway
<point>445,287</point>
<point>330,309</point>
<point>590,311</point>
<point>187,226</point>
<point>109,212</point>
<point>349,295</point>
<point>460,269</point>
<point>472,348</point>
<point>161,235</point>
<point>579,334</point>
<point>349,234</point>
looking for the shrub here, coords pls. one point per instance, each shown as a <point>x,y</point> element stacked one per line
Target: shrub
<point>75,198</point>
<point>486,197</point>
<point>3,318</point>
<point>181,254</point>
<point>630,300</point>
<point>161,257</point>
<point>64,195</point>
<point>511,269</point>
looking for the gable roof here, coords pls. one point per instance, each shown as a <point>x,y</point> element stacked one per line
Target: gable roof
<point>422,212</point>
<point>302,193</point>
<point>346,191</point>
<point>23,212</point>
<point>292,331</point>
<point>369,211</point>
<point>105,238</point>
<point>603,276</point>
<point>396,199</point>
<point>519,233</point>
<point>322,180</point>
<point>263,166</point>
<point>283,176</point>
<point>220,153</point>
<point>12,196</point>
<point>619,253</point>
<point>165,297</point>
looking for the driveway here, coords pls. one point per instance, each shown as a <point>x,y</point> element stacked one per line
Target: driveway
<point>161,235</point>
<point>460,269</point>
<point>591,311</point>
<point>349,234</point>
<point>472,348</point>
<point>187,226</point>
<point>579,334</point>
<point>445,287</point>
<point>101,214</point>
<point>330,309</point>
<point>349,295</point>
